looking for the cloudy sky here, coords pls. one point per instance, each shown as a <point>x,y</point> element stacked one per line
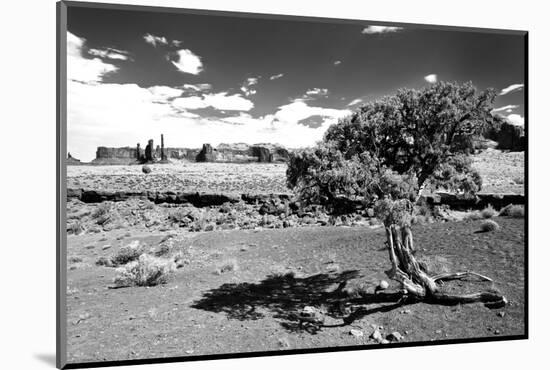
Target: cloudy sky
<point>212,79</point>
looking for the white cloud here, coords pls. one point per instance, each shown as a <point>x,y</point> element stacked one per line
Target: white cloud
<point>317,91</point>
<point>431,78</point>
<point>516,119</point>
<point>220,101</point>
<point>163,93</point>
<point>250,81</point>
<point>380,29</point>
<point>337,62</point>
<point>511,88</point>
<point>188,62</point>
<point>355,102</point>
<point>80,68</point>
<point>274,77</point>
<point>109,53</point>
<point>507,108</point>
<point>299,110</point>
<point>197,87</point>
<point>118,115</point>
<point>154,40</point>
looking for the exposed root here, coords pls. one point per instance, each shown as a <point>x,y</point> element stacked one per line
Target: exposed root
<point>416,283</point>
<point>459,275</point>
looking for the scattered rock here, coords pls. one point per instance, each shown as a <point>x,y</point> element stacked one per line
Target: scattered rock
<point>146,169</point>
<point>377,336</point>
<point>394,337</point>
<point>283,343</point>
<point>356,333</point>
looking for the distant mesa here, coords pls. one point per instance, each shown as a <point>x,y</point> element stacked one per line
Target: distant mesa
<point>72,160</point>
<point>223,153</point>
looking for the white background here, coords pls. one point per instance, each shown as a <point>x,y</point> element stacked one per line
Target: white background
<point>27,170</point>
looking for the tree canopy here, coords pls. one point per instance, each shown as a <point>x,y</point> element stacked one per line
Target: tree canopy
<point>393,147</point>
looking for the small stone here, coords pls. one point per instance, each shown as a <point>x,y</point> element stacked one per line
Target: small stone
<point>384,341</point>
<point>377,336</point>
<point>356,333</point>
<point>333,267</point>
<point>383,284</point>
<point>189,351</point>
<point>394,337</point>
<point>105,247</point>
<point>501,314</point>
<point>406,312</point>
<point>91,246</point>
<point>146,169</point>
<point>497,331</point>
<point>438,331</point>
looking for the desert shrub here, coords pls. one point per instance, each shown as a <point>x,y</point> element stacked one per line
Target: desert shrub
<point>128,253</point>
<point>146,271</point>
<point>516,211</point>
<point>104,261</point>
<point>519,180</point>
<point>75,259</point>
<point>102,209</point>
<point>75,227</point>
<point>489,225</point>
<point>227,266</point>
<point>179,216</point>
<point>473,216</point>
<point>180,259</point>
<point>488,212</point>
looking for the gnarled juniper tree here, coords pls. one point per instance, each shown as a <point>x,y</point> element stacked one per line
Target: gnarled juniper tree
<point>386,153</point>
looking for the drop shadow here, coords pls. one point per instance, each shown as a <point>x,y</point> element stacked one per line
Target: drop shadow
<point>284,296</point>
<point>46,358</point>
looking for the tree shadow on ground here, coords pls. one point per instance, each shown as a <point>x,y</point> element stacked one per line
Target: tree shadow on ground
<point>286,295</point>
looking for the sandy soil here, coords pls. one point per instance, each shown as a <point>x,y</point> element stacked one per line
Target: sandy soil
<point>502,172</point>
<point>256,178</point>
<point>201,311</point>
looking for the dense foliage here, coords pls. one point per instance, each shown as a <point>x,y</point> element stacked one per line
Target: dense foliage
<point>391,148</point>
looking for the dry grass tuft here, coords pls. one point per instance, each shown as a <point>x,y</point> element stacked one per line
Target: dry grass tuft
<point>227,266</point>
<point>489,212</point>
<point>489,225</point>
<point>146,271</point>
<point>511,210</point>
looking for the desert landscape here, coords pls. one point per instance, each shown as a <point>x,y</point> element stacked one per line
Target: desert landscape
<point>237,185</point>
<point>246,268</point>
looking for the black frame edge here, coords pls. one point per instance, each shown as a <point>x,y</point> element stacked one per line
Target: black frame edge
<point>61,149</point>
<point>61,192</point>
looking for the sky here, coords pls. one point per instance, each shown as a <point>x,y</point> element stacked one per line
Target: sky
<point>197,79</point>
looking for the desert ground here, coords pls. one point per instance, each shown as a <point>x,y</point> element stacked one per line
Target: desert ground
<point>239,275</point>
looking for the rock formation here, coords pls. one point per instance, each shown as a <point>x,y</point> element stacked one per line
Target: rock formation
<point>149,156</point>
<point>206,154</point>
<point>262,153</point>
<point>230,153</point>
<point>72,160</point>
<point>162,153</point>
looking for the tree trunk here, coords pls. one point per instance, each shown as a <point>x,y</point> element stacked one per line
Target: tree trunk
<point>414,279</point>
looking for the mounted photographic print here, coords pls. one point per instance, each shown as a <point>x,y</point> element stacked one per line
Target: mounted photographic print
<point>235,184</point>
